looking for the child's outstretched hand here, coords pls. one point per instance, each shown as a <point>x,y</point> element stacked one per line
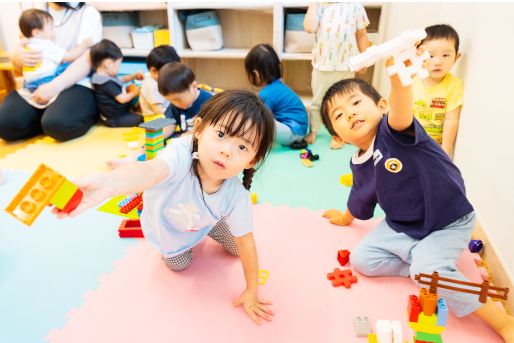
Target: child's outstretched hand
<point>139,75</point>
<point>254,307</point>
<point>95,189</point>
<point>337,217</point>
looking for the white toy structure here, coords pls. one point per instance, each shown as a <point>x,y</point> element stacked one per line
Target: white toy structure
<point>403,50</point>
<point>388,331</point>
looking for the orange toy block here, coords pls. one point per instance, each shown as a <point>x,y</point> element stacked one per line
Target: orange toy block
<point>428,302</point>
<point>35,195</point>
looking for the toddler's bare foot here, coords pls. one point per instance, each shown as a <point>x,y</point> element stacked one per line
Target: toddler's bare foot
<point>336,145</point>
<point>507,332</point>
<point>310,138</point>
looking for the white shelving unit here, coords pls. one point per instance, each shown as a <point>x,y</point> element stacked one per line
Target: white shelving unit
<point>244,25</point>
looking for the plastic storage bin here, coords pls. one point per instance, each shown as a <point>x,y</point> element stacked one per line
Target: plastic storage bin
<point>203,31</point>
<point>143,37</point>
<point>296,38</point>
<point>117,27</point>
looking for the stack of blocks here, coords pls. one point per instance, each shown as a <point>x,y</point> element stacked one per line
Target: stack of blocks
<point>427,316</point>
<point>43,188</point>
<point>154,135</point>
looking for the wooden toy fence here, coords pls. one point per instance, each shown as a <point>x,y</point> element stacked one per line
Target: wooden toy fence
<point>484,289</point>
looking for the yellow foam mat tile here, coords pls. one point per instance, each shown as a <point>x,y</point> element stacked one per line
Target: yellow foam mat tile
<point>78,157</point>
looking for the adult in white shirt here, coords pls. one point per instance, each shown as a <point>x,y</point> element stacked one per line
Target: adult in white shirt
<point>69,106</point>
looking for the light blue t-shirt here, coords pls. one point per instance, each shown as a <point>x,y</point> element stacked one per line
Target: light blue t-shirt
<point>175,216</point>
<point>286,106</point>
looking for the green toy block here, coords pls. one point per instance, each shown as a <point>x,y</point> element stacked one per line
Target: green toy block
<point>428,337</point>
<point>63,194</point>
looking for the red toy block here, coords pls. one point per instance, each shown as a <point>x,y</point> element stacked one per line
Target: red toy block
<point>413,308</point>
<point>73,202</point>
<point>130,228</point>
<point>132,204</point>
<point>342,278</point>
<point>343,256</point>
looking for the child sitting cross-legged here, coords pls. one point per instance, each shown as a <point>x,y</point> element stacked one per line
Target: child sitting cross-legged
<point>428,219</point>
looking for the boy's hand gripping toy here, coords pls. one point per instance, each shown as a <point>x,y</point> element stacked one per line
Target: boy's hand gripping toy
<point>403,50</point>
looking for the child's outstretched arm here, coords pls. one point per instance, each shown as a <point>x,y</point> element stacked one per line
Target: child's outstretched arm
<point>254,307</point>
<point>136,76</point>
<point>338,217</point>
<point>450,128</point>
<point>311,21</point>
<point>400,101</point>
<point>129,178</point>
<point>123,98</point>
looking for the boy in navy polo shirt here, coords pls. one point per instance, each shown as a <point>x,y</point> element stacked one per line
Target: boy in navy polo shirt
<point>428,219</point>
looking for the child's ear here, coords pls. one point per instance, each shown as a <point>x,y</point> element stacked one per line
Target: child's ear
<point>338,139</point>
<point>198,121</point>
<point>251,164</point>
<point>383,104</point>
<point>194,84</point>
<point>457,56</point>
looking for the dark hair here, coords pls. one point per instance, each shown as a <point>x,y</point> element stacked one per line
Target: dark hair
<point>105,49</point>
<point>264,60</point>
<point>68,5</point>
<point>343,87</point>
<point>241,112</point>
<point>160,56</point>
<point>442,31</point>
<point>33,19</point>
<point>175,77</point>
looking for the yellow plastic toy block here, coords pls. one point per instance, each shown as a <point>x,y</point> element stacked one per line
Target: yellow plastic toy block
<point>63,194</point>
<point>253,197</point>
<point>432,329</point>
<point>306,162</point>
<point>35,195</point>
<point>153,117</point>
<point>372,338</point>
<point>346,180</point>
<point>263,276</point>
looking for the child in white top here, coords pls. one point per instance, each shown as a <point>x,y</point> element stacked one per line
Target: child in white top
<point>152,102</point>
<point>37,25</point>
<point>191,189</point>
<point>340,30</point>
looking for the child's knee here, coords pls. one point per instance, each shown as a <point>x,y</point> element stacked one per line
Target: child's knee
<point>180,262</point>
<point>362,263</point>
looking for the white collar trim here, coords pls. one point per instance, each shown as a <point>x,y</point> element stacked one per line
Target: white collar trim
<point>356,159</point>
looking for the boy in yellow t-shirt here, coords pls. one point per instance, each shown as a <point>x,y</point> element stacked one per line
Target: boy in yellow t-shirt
<point>438,98</point>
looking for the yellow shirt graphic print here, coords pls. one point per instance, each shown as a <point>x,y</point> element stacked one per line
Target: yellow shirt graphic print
<point>432,102</point>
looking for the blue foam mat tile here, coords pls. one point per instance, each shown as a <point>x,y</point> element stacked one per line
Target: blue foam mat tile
<point>46,269</point>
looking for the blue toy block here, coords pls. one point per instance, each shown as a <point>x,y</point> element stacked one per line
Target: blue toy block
<point>475,245</point>
<point>442,312</point>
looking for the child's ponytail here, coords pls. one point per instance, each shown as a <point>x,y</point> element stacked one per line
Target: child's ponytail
<point>247,178</point>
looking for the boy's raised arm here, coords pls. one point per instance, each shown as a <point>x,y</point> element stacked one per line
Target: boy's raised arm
<point>400,103</point>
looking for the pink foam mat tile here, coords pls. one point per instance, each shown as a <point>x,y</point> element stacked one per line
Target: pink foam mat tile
<point>142,301</point>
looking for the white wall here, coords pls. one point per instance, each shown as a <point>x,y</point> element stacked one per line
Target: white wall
<point>484,151</point>
<point>9,29</point>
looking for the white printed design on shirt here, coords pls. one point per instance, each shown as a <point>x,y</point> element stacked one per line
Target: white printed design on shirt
<point>377,156</point>
<point>184,217</point>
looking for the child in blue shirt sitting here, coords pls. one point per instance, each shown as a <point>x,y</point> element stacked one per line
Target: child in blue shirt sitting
<point>178,85</point>
<point>264,70</point>
<point>428,219</point>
